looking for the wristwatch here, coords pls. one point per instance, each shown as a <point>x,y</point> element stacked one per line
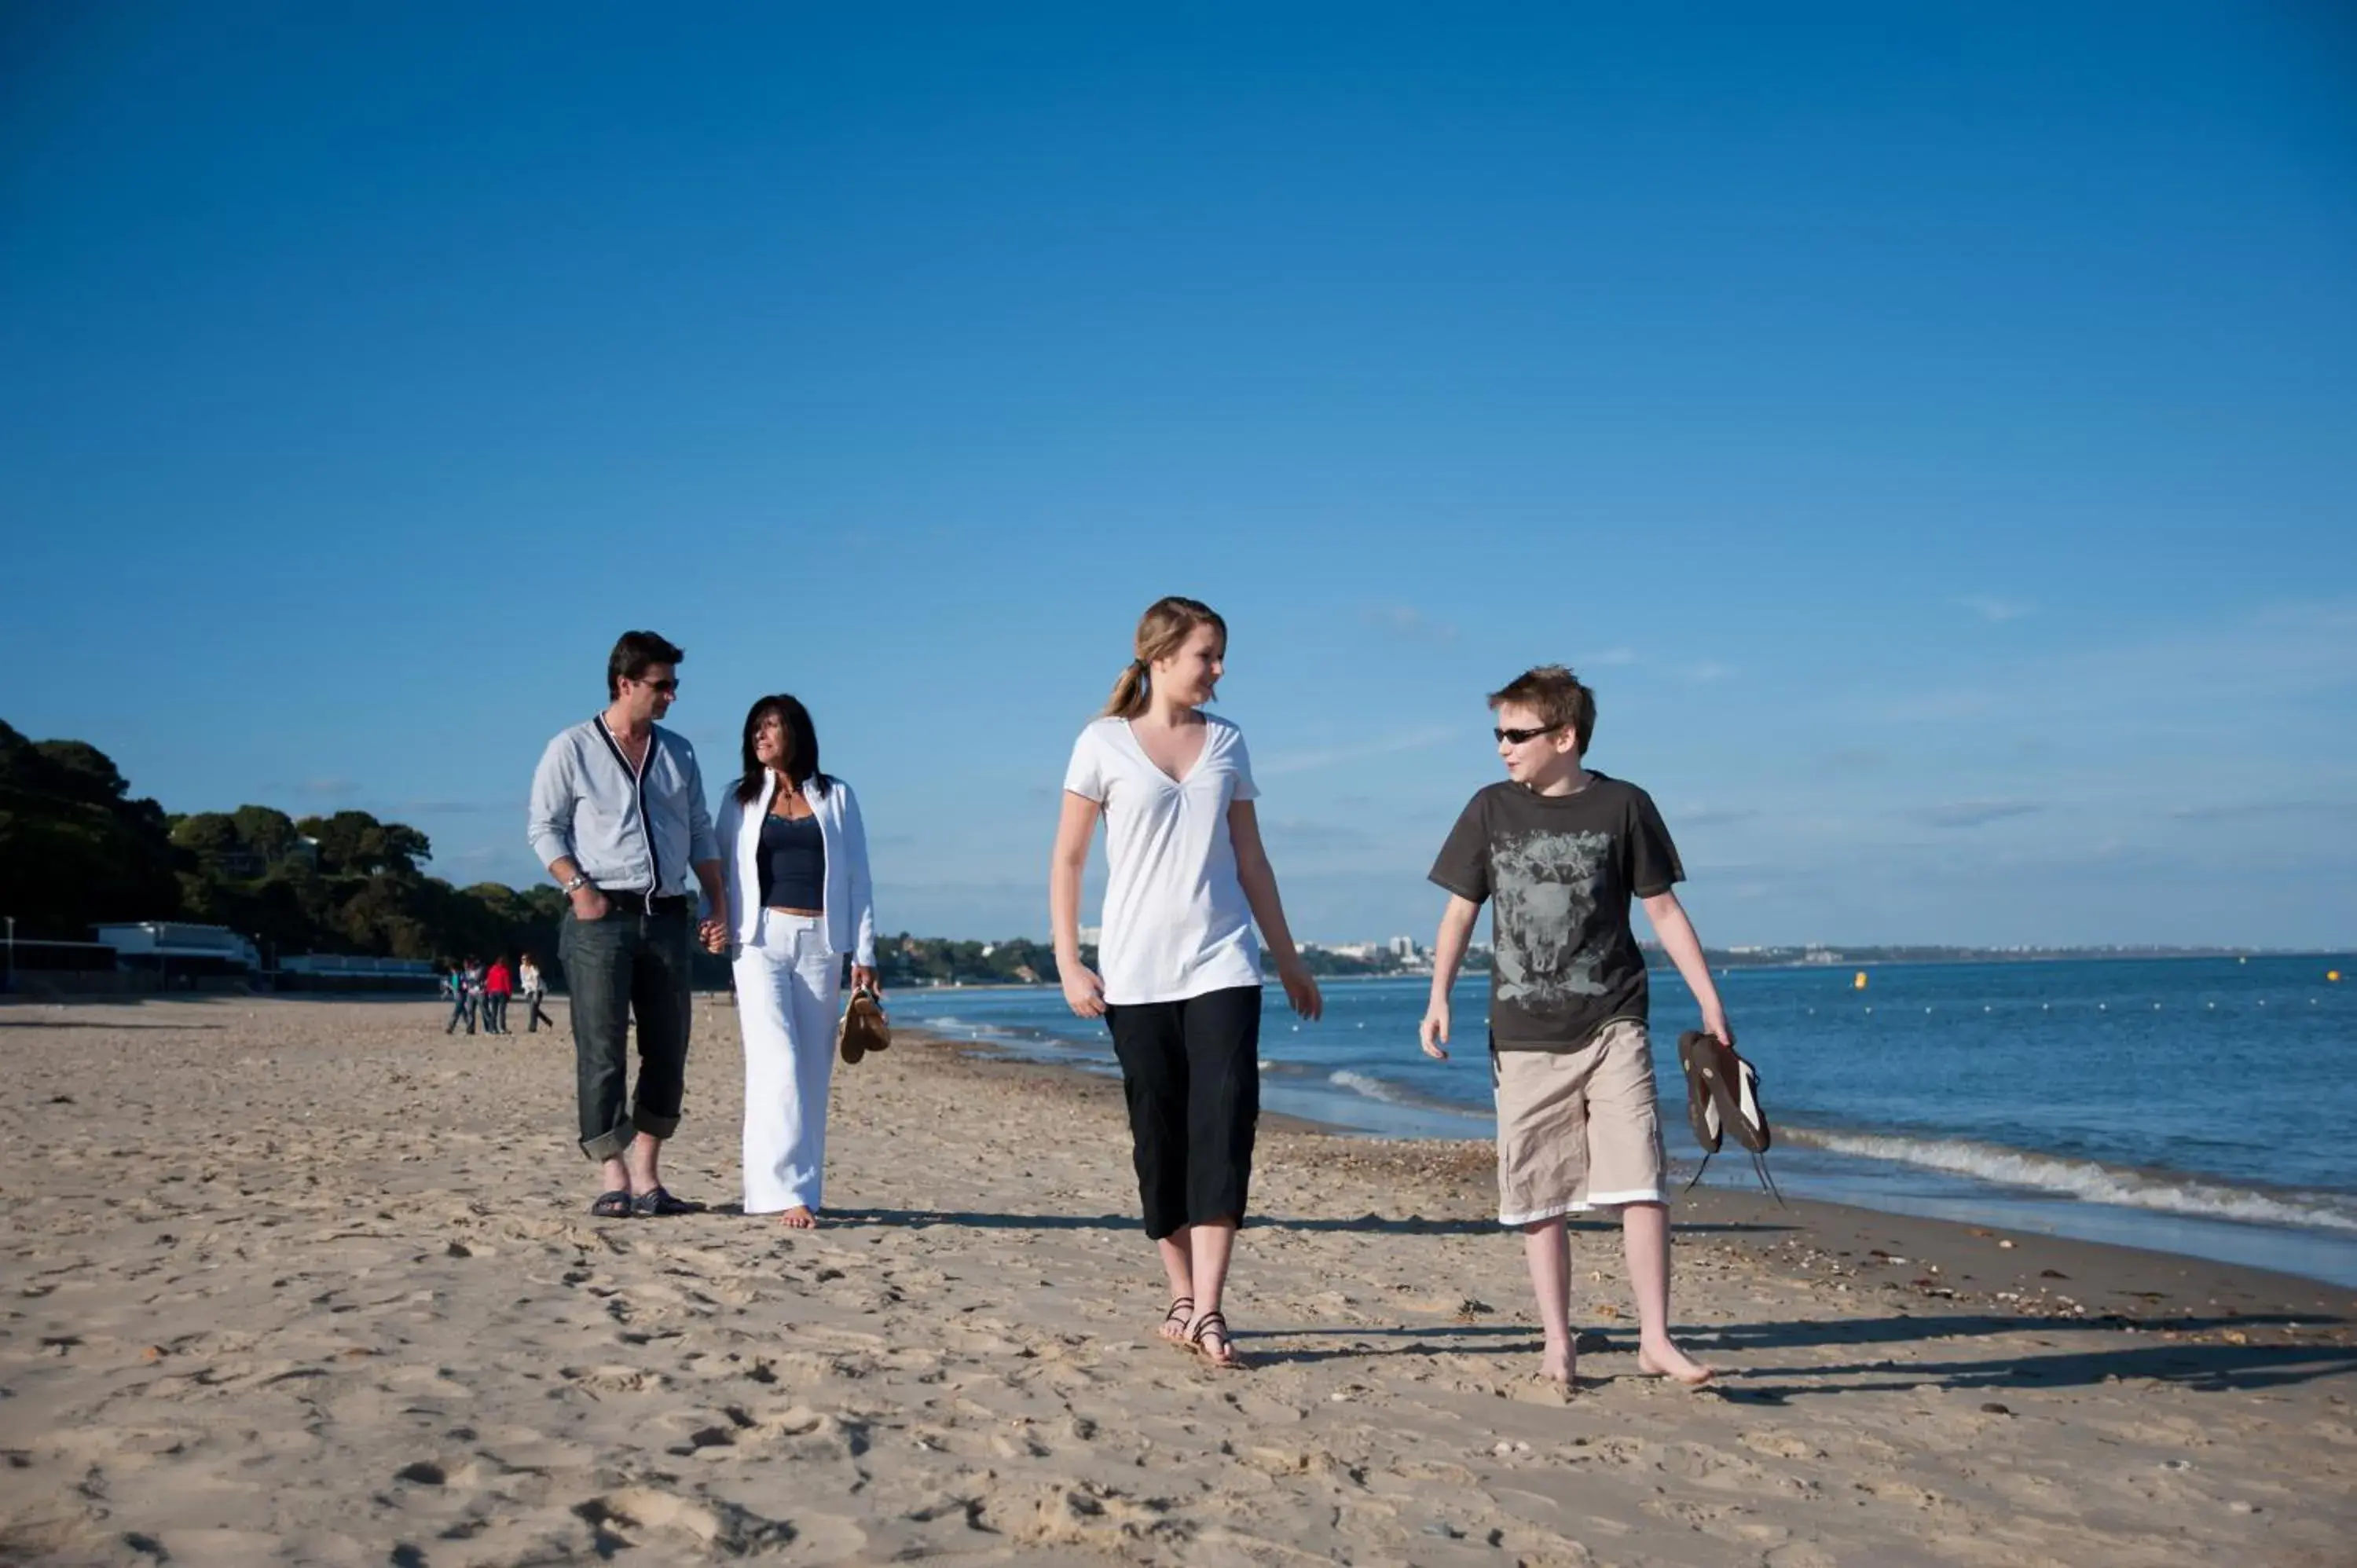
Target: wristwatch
<point>578,880</point>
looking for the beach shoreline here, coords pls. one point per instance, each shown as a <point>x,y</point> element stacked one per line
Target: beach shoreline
<point>302,1282</point>
<point>2023,1265</point>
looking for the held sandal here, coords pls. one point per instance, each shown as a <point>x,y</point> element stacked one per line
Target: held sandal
<point>1181,1313</point>
<point>1213,1325</point>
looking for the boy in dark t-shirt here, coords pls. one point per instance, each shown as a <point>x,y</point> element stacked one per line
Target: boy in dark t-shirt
<point>1559,853</point>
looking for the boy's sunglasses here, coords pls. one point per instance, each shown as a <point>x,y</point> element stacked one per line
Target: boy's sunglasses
<point>1516,736</point>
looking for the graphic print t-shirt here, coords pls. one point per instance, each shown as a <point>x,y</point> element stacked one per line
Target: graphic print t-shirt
<point>1559,872</point>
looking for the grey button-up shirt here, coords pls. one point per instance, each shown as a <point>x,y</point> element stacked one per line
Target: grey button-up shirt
<point>629,834</point>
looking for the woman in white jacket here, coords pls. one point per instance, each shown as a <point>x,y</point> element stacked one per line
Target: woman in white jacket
<point>794,856</point>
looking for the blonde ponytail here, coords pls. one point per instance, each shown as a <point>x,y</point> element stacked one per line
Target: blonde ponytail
<point>1161,631</point>
<point>1129,699</point>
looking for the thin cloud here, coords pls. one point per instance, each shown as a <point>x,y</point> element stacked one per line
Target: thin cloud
<point>1994,610</point>
<point>1709,670</point>
<point>1975,813</point>
<point>1335,757</point>
<point>1408,622</point>
<point>1303,833</point>
<point>1853,759</point>
<point>1715,816</point>
<point>2261,811</point>
<point>1612,656</point>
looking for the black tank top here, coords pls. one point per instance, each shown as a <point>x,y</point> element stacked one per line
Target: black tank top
<point>793,863</point>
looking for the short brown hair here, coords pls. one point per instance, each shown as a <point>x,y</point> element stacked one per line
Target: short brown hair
<point>1557,695</point>
<point>633,655</point>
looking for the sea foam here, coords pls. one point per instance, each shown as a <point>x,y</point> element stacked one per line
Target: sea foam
<point>2086,1179</point>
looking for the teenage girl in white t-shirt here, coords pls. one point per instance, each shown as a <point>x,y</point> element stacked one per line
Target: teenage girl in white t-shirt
<point>1181,986</point>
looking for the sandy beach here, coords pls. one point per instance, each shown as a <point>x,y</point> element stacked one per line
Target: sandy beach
<point>312,1283</point>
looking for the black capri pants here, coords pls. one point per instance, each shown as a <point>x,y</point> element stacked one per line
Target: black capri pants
<point>1191,1071</point>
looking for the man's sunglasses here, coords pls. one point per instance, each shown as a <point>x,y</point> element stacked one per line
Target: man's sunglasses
<point>1516,736</point>
<point>666,686</point>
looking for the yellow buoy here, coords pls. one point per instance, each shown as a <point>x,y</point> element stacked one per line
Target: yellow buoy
<point>2333,975</point>
<point>1859,983</point>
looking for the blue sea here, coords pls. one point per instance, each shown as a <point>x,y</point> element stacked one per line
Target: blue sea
<point>2200,1106</point>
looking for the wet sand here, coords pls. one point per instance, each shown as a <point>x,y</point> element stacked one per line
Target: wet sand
<point>312,1283</point>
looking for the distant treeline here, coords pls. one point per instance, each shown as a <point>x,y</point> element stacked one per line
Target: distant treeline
<point>76,848</point>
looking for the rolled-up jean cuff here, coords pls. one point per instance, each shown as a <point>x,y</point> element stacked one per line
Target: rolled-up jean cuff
<point>608,1145</point>
<point>654,1126</point>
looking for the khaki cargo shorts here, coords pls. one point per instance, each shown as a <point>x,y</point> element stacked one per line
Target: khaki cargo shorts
<point>1578,1130</point>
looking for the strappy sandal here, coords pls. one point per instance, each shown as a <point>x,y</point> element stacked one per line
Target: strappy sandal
<point>1213,1325</point>
<point>614,1205</point>
<point>1181,1313</point>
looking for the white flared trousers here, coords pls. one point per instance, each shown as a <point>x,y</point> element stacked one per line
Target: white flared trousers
<point>787,984</point>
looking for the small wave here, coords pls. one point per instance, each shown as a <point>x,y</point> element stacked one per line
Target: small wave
<point>2085,1179</point>
<point>1373,1087</point>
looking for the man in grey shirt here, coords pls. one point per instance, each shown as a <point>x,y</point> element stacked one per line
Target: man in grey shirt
<point>618,818</point>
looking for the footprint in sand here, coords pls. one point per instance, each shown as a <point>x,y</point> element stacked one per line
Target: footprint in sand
<point>616,1380</point>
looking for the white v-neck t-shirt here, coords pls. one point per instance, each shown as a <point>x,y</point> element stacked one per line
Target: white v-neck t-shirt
<point>1176,924</point>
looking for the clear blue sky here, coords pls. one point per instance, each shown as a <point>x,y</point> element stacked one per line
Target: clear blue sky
<point>1933,428</point>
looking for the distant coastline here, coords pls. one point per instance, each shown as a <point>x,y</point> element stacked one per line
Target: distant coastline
<point>1356,961</point>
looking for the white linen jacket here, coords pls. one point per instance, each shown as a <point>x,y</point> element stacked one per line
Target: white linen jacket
<point>850,902</point>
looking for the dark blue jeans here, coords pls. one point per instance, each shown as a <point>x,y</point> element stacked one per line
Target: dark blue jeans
<point>630,964</point>
<point>462,1011</point>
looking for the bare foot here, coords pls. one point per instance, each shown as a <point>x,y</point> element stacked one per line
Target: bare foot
<point>1175,1321</point>
<point>1208,1334</point>
<point>799,1217</point>
<point>1675,1364</point>
<point>1560,1366</point>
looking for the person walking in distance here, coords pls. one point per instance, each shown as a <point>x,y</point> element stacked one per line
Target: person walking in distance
<point>1180,987</point>
<point>462,999</point>
<point>534,988</point>
<point>497,986</point>
<point>619,818</point>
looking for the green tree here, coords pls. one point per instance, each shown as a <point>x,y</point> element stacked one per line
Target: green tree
<point>266,831</point>
<point>207,835</point>
<point>74,848</point>
<point>356,844</point>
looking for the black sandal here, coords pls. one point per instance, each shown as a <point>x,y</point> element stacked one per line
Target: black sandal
<point>1216,1325</point>
<point>1182,1313</point>
<point>614,1205</point>
<point>657,1201</point>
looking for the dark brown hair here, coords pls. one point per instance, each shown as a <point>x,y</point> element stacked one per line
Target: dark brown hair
<point>1557,695</point>
<point>633,655</point>
<point>802,747</point>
